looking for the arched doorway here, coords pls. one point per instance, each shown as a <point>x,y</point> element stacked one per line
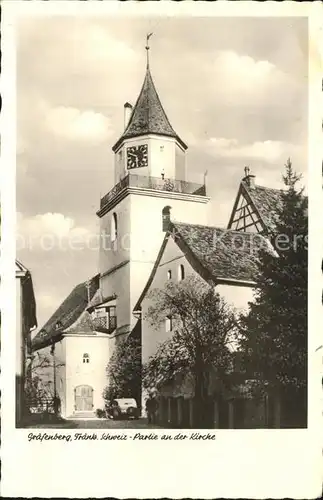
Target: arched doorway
<point>83,398</point>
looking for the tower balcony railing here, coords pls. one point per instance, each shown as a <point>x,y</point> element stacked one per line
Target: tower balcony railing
<point>155,183</point>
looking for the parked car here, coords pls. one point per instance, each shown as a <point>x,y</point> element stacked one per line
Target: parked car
<point>122,408</point>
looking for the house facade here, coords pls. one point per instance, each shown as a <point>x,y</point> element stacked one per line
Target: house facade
<point>78,341</point>
<point>226,259</point>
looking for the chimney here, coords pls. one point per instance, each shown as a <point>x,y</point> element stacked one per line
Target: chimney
<point>249,178</point>
<point>127,113</point>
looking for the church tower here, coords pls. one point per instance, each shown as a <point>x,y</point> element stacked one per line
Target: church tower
<point>150,188</point>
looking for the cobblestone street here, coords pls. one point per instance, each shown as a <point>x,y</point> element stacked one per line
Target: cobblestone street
<point>96,424</point>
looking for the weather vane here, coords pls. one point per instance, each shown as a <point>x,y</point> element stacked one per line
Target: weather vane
<point>147,47</point>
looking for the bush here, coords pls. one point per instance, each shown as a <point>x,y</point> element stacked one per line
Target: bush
<point>124,370</point>
<point>100,413</point>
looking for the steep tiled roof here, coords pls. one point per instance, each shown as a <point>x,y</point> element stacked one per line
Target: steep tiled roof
<point>225,254</point>
<point>148,115</point>
<point>266,201</point>
<point>67,313</point>
<point>217,254</point>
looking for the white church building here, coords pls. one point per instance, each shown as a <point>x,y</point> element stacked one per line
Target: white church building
<point>151,191</point>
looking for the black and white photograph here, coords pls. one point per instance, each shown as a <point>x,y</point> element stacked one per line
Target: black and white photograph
<point>164,238</point>
<point>162,223</point>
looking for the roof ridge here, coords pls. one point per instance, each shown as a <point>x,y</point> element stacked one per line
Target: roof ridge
<point>270,188</point>
<point>189,224</point>
<point>261,186</point>
<point>217,227</point>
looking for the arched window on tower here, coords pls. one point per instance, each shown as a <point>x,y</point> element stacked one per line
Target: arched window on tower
<point>114,229</point>
<point>181,272</point>
<point>86,358</point>
<point>166,218</point>
<point>169,274</point>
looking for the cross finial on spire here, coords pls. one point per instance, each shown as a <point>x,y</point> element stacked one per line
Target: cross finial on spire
<point>247,171</point>
<point>147,47</point>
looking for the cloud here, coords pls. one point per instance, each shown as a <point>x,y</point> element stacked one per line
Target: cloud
<point>243,69</point>
<point>269,151</point>
<point>50,231</point>
<point>243,82</point>
<point>96,46</point>
<point>75,125</point>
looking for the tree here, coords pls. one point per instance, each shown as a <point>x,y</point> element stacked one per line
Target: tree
<point>202,341</point>
<point>124,370</point>
<point>274,332</point>
<point>38,390</point>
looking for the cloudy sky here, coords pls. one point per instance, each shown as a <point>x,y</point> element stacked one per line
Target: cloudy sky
<point>235,90</point>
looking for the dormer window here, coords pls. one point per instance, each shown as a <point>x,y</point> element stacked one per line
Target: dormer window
<point>86,358</point>
<point>105,319</point>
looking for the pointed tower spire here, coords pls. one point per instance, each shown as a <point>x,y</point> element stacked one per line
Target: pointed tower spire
<point>148,115</point>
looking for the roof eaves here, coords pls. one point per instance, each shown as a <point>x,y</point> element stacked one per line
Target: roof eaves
<point>124,137</point>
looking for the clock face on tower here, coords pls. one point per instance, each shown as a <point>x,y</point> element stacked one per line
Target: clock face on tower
<point>137,156</point>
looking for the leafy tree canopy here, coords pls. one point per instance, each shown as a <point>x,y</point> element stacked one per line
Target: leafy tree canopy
<point>202,337</point>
